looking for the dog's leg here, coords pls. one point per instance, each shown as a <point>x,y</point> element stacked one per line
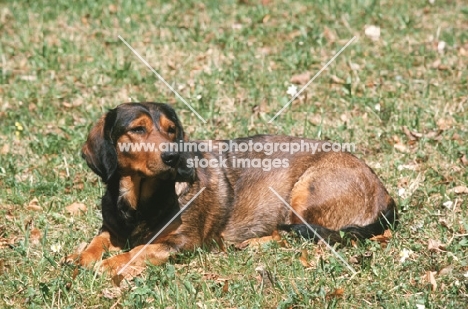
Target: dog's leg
<point>156,254</point>
<point>275,236</point>
<point>99,245</point>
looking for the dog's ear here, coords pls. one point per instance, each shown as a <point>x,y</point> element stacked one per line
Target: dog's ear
<point>99,151</point>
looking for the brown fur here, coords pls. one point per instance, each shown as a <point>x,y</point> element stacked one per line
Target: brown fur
<point>331,191</point>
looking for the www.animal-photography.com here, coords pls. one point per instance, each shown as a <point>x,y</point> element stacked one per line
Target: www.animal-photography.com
<point>234,154</point>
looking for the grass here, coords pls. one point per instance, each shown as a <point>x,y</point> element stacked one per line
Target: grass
<point>62,66</point>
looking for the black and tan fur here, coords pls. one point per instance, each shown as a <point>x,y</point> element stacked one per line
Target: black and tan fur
<point>331,191</point>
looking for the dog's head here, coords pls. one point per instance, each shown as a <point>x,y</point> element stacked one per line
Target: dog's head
<point>128,140</point>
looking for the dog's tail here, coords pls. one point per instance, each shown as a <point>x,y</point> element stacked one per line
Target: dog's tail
<point>387,220</point>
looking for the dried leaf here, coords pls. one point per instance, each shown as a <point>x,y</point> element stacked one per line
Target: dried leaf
<point>354,259</point>
<point>329,34</point>
<point>304,258</point>
<point>5,149</point>
<point>383,238</point>
<point>76,209</point>
<point>210,276</point>
<point>129,273</point>
<point>446,270</point>
<point>226,286</point>
<point>338,293</point>
<point>336,80</point>
<point>431,279</point>
<point>464,160</point>
<point>444,123</point>
<point>8,242</point>
<point>111,293</point>
<point>35,236</point>
<point>112,8</point>
<point>435,135</point>
<point>435,245</point>
<point>459,190</point>
<point>34,205</point>
<point>409,134</point>
<point>401,148</point>
<point>301,79</point>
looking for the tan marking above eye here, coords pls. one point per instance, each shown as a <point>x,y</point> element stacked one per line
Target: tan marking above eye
<point>139,125</point>
<point>167,125</point>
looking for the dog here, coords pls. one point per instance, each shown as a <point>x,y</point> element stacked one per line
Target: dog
<point>334,192</point>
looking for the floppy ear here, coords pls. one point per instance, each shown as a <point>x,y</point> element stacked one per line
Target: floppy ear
<point>99,152</point>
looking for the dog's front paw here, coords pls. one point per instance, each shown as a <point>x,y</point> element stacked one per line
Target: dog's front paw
<point>113,264</point>
<point>119,267</point>
<point>85,259</point>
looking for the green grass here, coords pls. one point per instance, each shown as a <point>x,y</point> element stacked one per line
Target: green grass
<point>62,66</point>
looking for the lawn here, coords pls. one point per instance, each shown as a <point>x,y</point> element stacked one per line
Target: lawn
<point>399,94</point>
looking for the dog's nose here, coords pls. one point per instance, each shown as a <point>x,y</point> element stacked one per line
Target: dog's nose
<point>170,158</point>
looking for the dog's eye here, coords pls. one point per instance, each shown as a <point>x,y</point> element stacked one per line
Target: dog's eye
<point>138,130</point>
<point>171,130</point>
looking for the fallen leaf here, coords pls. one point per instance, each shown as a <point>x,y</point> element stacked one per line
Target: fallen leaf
<point>129,273</point>
<point>76,209</point>
<point>8,242</point>
<point>401,148</point>
<point>112,9</point>
<point>336,80</point>
<point>300,79</point>
<point>210,276</point>
<point>409,134</point>
<point>446,270</point>
<point>111,293</point>
<point>329,34</point>
<point>444,123</point>
<point>34,205</point>
<point>464,160</point>
<point>226,286</point>
<point>411,167</point>
<point>5,149</point>
<point>435,135</point>
<point>459,190</point>
<point>338,293</point>
<point>304,258</point>
<point>431,279</point>
<point>384,238</point>
<point>435,245</point>
<point>35,236</point>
